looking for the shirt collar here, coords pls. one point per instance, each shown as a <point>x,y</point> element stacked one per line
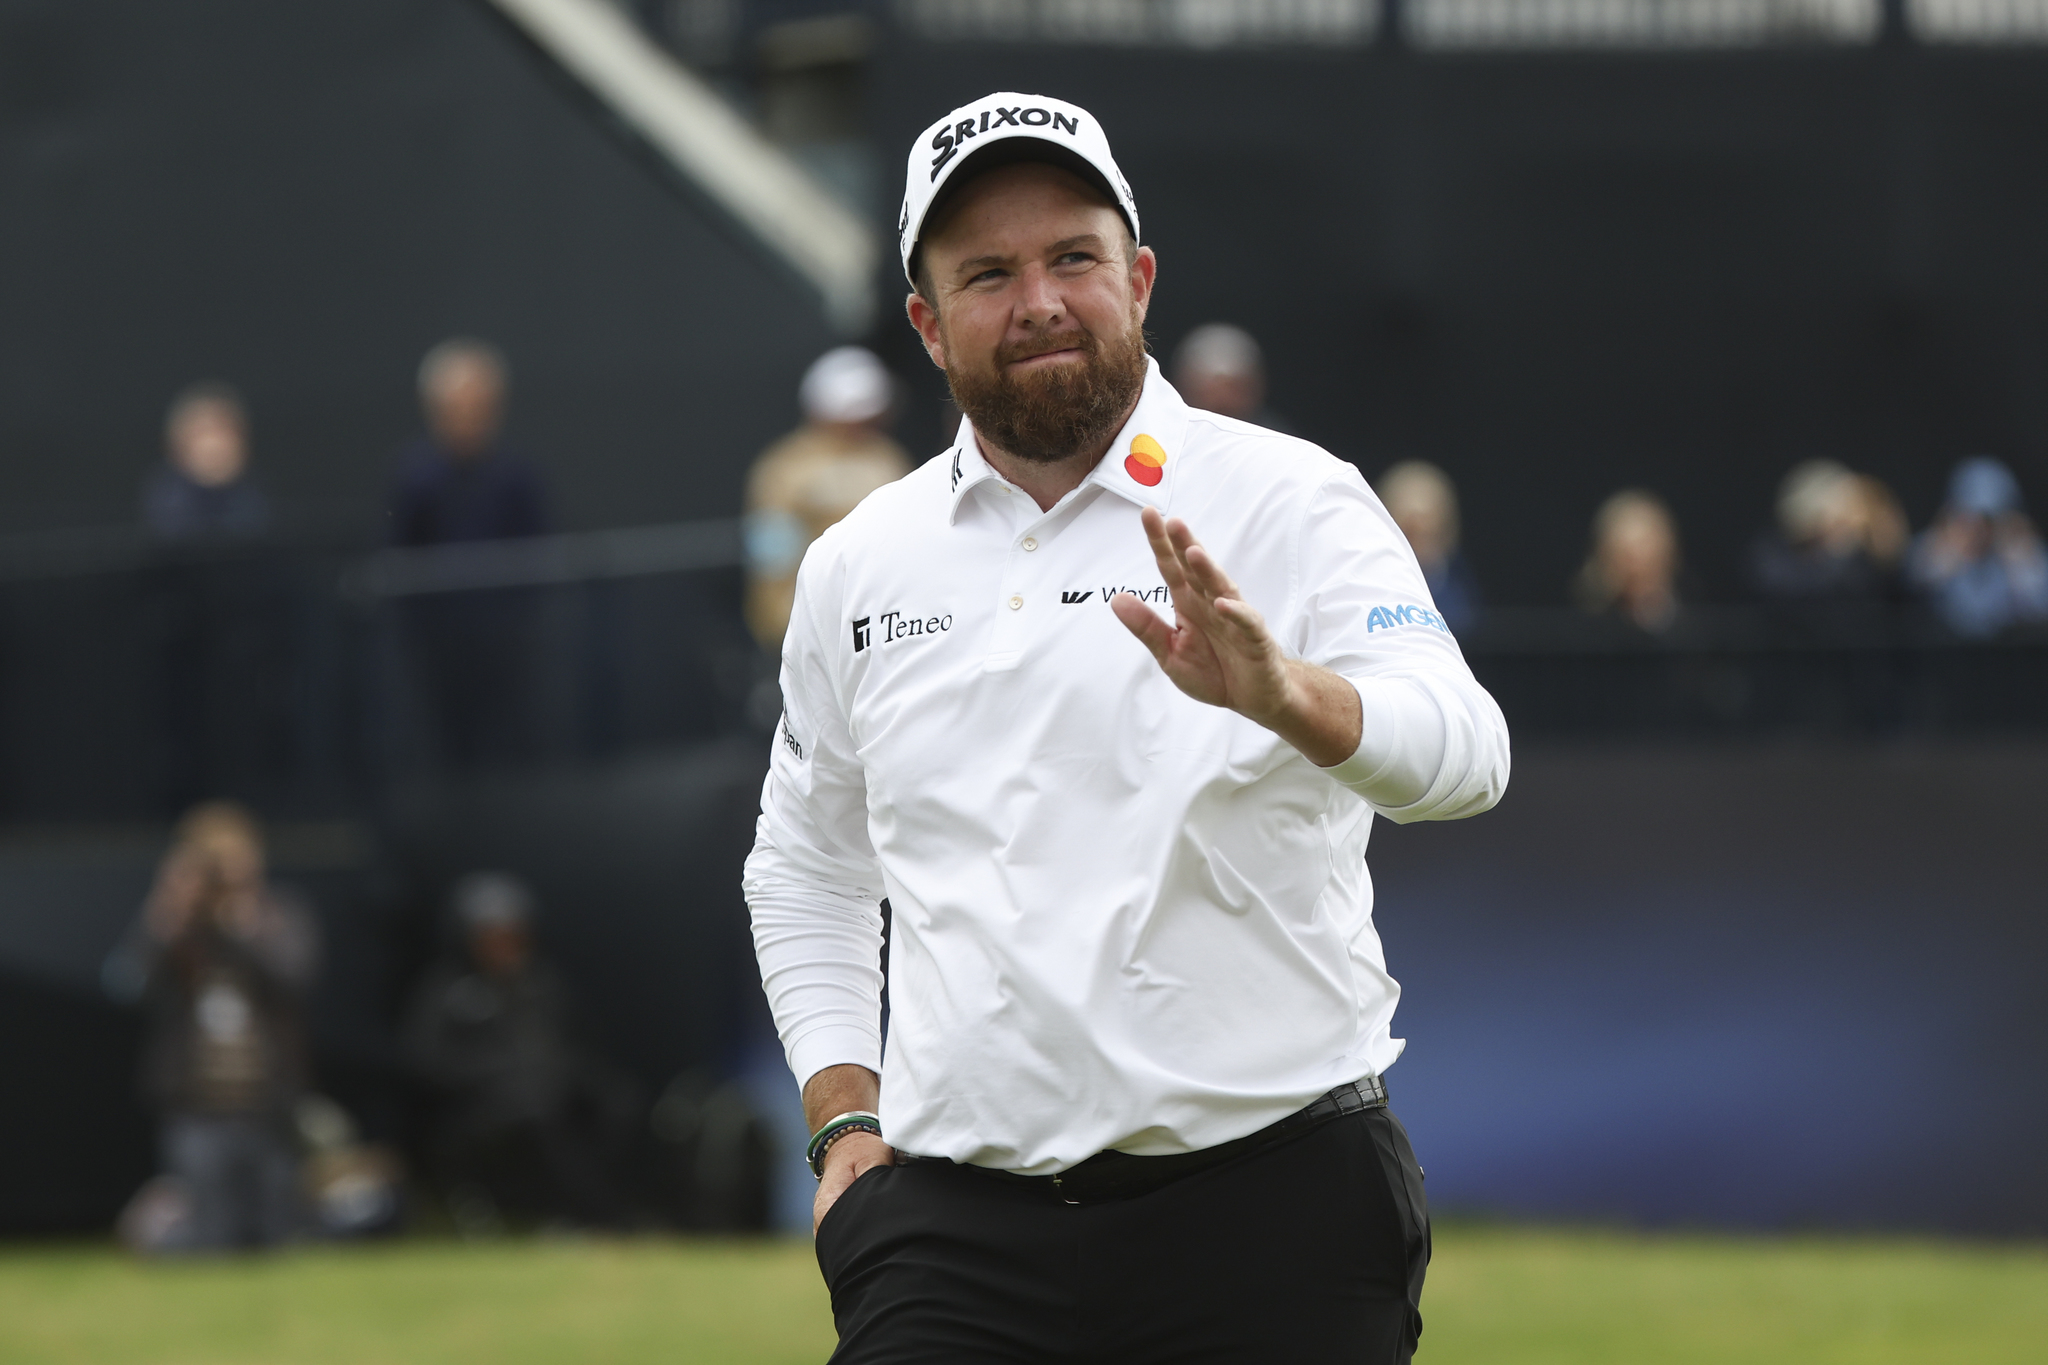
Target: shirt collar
<point>1140,466</point>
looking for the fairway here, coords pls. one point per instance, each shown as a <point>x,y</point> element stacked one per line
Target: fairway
<point>1496,1297</point>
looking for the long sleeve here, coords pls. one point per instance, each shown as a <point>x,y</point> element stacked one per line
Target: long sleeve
<point>813,883</point>
<point>1433,744</point>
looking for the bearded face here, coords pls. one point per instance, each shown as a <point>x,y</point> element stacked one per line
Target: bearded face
<point>1047,413</point>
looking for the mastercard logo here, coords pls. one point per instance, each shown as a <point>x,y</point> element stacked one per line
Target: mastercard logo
<point>1147,461</point>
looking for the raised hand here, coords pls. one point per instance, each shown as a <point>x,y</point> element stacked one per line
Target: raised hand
<point>1219,651</point>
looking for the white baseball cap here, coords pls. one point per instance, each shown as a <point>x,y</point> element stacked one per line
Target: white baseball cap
<point>846,384</point>
<point>999,128</point>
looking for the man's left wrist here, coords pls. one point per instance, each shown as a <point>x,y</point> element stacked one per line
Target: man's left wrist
<point>1292,707</point>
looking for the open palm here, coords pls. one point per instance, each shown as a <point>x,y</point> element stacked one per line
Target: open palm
<point>1218,649</point>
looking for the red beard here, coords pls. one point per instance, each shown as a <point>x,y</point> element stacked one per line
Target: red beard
<point>1049,413</point>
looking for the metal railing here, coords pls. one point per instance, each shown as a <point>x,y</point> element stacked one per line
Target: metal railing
<point>1979,21</point>
<point>1447,24</point>
<point>316,680</point>
<point>1453,25</point>
<point>1144,23</point>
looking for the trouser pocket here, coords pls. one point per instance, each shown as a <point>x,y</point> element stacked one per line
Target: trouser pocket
<point>1404,1184</point>
<point>838,1238</point>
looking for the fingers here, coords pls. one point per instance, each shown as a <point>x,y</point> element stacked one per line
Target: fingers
<point>1195,579</point>
<point>1194,564</point>
<point>1205,572</point>
<point>1163,550</point>
<point>1243,624</point>
<point>1144,623</point>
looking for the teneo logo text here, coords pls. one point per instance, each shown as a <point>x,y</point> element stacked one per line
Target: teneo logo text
<point>950,138</point>
<point>1404,615</point>
<point>895,626</point>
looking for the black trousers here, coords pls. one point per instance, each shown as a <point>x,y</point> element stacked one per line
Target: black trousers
<point>1312,1248</point>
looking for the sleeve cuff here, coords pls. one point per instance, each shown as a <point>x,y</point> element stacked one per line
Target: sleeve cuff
<point>1400,743</point>
<point>834,1045</point>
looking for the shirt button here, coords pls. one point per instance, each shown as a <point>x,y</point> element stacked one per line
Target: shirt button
<point>1016,604</point>
<point>1030,543</point>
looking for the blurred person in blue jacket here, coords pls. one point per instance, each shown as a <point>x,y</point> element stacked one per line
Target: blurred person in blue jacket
<point>1981,565</point>
<point>1424,504</point>
<point>458,483</point>
<point>203,490</point>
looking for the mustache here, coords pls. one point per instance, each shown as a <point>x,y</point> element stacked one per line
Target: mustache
<point>1078,339</point>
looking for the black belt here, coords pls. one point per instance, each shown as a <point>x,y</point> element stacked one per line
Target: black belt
<point>1119,1175</point>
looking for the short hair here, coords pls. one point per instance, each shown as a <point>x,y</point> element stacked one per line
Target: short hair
<point>1418,481</point>
<point>210,822</point>
<point>1810,493</point>
<point>492,900</point>
<point>455,351</point>
<point>210,393</point>
<point>1219,348</point>
<point>1633,505</point>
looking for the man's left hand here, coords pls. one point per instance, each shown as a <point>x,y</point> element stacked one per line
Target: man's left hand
<point>1219,651</point>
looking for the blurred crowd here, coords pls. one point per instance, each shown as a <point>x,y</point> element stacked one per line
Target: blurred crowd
<point>1840,537</point>
<point>1841,545</point>
<point>517,1120</point>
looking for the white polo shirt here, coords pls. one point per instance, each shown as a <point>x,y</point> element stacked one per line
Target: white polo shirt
<point>1121,918</point>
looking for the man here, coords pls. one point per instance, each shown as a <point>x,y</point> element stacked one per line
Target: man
<point>524,1121</point>
<point>1982,565</point>
<point>814,476</point>
<point>1424,503</point>
<point>458,483</point>
<point>1127,1107</point>
<point>223,962</point>
<point>1221,369</point>
<point>202,490</point>
<point>218,616</point>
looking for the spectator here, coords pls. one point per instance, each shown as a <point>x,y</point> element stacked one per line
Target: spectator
<point>814,476</point>
<point>523,1122</point>
<point>1424,504</point>
<point>456,484</point>
<point>203,491</point>
<point>1221,369</point>
<point>1840,537</point>
<point>217,622</point>
<point>1632,572</point>
<point>1981,564</point>
<point>222,962</point>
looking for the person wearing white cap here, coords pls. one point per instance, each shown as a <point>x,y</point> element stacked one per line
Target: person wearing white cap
<point>814,476</point>
<point>1115,1092</point>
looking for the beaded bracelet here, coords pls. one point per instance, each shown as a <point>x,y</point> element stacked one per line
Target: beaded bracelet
<point>854,1121</point>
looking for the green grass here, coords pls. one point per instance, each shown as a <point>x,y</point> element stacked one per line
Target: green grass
<point>1496,1297</point>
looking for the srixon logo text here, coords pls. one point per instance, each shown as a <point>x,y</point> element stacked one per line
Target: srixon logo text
<point>948,140</point>
<point>894,625</point>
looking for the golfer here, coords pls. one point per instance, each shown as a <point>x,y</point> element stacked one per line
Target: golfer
<point>1093,712</point>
